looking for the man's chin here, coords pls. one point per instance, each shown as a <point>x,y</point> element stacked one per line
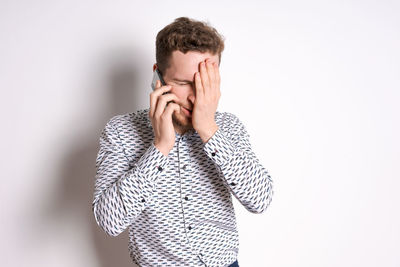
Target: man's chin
<point>182,121</point>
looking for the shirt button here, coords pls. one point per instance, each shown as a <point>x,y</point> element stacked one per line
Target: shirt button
<point>190,227</point>
<point>184,167</point>
<point>160,168</point>
<point>186,198</point>
<point>143,200</point>
<point>213,154</point>
<point>233,183</point>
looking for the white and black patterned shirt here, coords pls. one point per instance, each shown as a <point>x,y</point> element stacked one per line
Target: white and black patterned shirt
<point>178,209</point>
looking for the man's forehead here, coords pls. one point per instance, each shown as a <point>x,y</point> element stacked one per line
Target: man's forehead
<point>184,65</point>
<point>193,55</point>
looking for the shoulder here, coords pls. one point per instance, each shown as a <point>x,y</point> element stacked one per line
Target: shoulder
<point>227,120</point>
<point>130,124</point>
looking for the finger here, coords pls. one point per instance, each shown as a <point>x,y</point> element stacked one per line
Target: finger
<point>210,71</point>
<point>159,90</point>
<point>199,86</point>
<point>162,103</point>
<point>211,76</point>
<point>216,71</point>
<point>204,77</point>
<point>217,79</point>
<point>170,109</point>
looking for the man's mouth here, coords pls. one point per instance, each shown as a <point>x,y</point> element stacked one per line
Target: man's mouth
<point>187,111</point>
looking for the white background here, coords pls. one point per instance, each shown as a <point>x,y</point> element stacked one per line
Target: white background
<point>315,82</point>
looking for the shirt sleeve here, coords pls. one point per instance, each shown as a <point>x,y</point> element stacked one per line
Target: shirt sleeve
<point>239,167</point>
<point>122,189</point>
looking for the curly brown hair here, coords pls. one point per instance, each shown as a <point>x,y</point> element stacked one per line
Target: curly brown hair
<point>185,34</point>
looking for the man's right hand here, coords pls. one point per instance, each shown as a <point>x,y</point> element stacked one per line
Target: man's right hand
<point>160,115</point>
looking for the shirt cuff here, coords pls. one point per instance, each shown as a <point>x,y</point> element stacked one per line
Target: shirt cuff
<point>219,148</point>
<point>152,163</point>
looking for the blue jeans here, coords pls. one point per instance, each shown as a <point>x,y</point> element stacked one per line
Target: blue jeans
<point>235,264</point>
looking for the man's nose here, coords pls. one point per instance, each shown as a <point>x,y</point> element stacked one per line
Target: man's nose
<point>192,90</point>
<point>192,94</point>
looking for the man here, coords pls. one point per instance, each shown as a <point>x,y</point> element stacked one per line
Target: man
<point>167,172</point>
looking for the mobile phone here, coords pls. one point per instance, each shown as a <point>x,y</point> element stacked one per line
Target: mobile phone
<point>157,76</point>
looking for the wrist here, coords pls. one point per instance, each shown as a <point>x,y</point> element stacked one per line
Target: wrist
<point>164,150</point>
<point>205,135</point>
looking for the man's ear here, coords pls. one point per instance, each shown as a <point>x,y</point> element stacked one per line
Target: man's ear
<point>155,67</point>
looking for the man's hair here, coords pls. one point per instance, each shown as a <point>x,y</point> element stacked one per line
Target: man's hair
<point>185,34</point>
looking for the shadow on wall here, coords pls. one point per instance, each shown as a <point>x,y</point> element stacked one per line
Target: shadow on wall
<point>113,251</point>
<point>75,192</point>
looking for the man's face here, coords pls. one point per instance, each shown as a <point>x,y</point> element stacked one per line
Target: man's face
<point>180,75</point>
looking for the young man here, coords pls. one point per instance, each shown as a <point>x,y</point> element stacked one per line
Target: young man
<point>167,172</point>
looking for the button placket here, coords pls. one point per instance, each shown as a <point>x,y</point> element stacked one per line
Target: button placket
<point>185,180</point>
<point>185,168</point>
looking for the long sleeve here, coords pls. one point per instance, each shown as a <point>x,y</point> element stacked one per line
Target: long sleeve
<point>248,180</point>
<point>123,188</point>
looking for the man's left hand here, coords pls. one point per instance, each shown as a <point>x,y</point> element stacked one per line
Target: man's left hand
<point>207,83</point>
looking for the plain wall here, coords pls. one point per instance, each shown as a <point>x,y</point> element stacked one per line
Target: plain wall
<point>315,82</point>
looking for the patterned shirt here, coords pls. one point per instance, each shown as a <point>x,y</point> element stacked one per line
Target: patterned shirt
<point>178,208</point>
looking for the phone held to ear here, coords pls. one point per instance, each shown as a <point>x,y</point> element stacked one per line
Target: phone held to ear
<point>157,76</point>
